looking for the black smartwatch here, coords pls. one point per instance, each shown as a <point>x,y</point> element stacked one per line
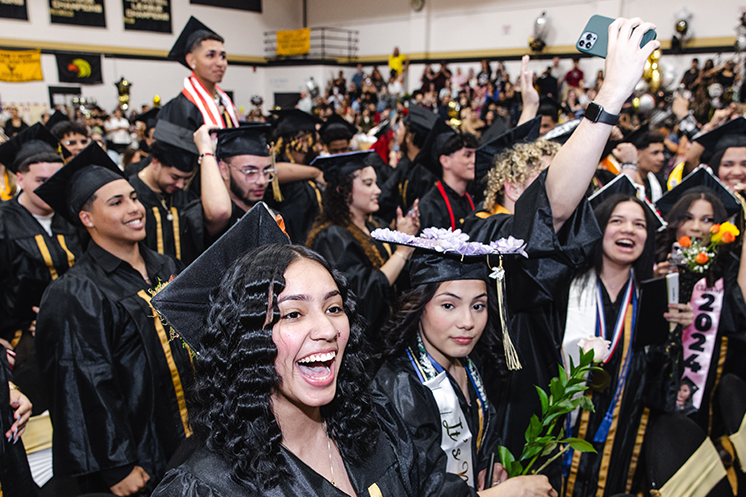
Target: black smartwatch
<point>597,114</point>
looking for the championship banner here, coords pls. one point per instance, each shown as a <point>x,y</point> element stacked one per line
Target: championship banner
<point>147,15</point>
<point>250,5</point>
<point>20,66</point>
<point>78,12</point>
<point>13,9</point>
<point>297,42</point>
<point>82,69</point>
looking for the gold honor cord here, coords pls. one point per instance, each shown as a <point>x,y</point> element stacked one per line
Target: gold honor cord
<point>70,255</point>
<point>158,230</point>
<point>175,378</point>
<point>638,447</point>
<point>738,439</point>
<point>44,250</point>
<point>718,374</point>
<point>177,232</point>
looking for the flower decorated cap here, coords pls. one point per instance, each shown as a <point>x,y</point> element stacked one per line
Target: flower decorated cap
<point>337,128</point>
<point>337,166</point>
<point>68,190</point>
<point>32,141</point>
<point>699,180</point>
<point>525,133</point>
<point>562,132</point>
<point>184,303</point>
<point>445,255</point>
<point>623,185</point>
<point>193,30</point>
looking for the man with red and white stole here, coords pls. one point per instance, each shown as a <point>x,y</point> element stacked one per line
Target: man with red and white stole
<point>201,101</point>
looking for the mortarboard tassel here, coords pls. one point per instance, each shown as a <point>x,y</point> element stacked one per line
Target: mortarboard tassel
<point>276,193</point>
<point>511,356</point>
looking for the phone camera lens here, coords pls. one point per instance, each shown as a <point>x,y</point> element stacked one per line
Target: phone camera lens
<point>588,37</point>
<point>581,43</point>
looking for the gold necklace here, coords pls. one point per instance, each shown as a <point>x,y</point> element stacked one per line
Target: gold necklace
<point>329,449</point>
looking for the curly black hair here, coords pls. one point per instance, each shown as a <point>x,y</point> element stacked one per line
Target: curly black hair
<point>230,402</point>
<point>399,333</point>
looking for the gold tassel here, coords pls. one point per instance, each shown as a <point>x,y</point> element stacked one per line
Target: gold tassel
<point>511,356</point>
<point>276,193</point>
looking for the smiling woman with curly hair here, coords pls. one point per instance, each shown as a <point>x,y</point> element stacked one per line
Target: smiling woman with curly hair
<point>282,403</point>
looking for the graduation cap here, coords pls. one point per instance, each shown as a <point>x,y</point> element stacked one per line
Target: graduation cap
<point>250,139</point>
<point>697,181</point>
<point>56,117</point>
<point>193,30</point>
<point>525,133</point>
<point>337,166</point>
<point>382,128</point>
<point>420,120</point>
<point>34,140</point>
<point>290,122</point>
<point>562,132</point>
<point>174,146</point>
<point>337,128</point>
<point>185,302</point>
<point>148,118</point>
<point>432,149</point>
<point>730,134</point>
<point>623,185</point>
<point>549,106</point>
<point>70,188</point>
<point>637,136</point>
<point>493,131</point>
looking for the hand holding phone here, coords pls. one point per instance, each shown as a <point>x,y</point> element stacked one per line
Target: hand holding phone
<point>595,37</point>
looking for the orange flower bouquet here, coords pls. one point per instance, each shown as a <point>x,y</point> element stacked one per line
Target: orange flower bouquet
<point>697,255</point>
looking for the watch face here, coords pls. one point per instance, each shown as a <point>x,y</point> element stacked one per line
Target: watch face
<point>592,111</point>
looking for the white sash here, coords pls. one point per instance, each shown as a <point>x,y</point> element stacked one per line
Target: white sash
<point>210,111</point>
<point>581,316</point>
<point>456,436</point>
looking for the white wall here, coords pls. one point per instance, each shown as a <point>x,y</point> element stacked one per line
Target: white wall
<point>471,25</point>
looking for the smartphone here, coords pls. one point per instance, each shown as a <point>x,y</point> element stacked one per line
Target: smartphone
<point>595,37</point>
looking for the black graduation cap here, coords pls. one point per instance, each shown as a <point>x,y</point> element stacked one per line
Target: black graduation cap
<point>186,39</point>
<point>623,185</point>
<point>421,120</point>
<point>34,140</point>
<point>185,302</point>
<point>382,128</point>
<point>148,118</point>
<point>430,154</point>
<point>549,106</point>
<point>496,129</point>
<point>55,118</point>
<point>699,179</point>
<point>290,122</point>
<point>429,266</point>
<point>730,134</point>
<point>250,139</point>
<point>339,165</point>
<point>70,188</point>
<point>525,133</point>
<point>337,128</point>
<point>562,132</point>
<point>637,136</point>
<point>174,146</point>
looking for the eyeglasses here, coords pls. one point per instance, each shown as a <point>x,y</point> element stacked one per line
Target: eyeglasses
<point>252,173</point>
<point>72,143</point>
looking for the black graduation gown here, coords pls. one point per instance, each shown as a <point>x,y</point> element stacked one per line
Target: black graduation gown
<point>612,469</point>
<point>396,468</point>
<point>164,236</point>
<point>374,294</point>
<point>416,405</point>
<point>181,111</point>
<point>133,168</point>
<point>408,182</point>
<point>434,211</point>
<point>299,208</point>
<point>15,476</point>
<point>30,260</point>
<point>116,382</point>
<point>534,287</point>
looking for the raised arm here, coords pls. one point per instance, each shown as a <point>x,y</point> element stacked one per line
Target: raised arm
<point>529,95</point>
<point>572,169</point>
<point>216,201</point>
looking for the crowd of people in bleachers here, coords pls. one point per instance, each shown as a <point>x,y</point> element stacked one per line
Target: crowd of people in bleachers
<point>362,294</point>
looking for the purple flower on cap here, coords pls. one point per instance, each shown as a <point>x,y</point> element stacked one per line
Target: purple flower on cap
<point>511,245</point>
<point>452,242</point>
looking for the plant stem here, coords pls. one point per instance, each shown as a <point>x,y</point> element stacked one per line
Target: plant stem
<point>551,459</point>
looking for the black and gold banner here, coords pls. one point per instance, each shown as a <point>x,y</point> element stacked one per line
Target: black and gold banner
<point>13,9</point>
<point>78,12</point>
<point>147,15</point>
<point>250,5</point>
